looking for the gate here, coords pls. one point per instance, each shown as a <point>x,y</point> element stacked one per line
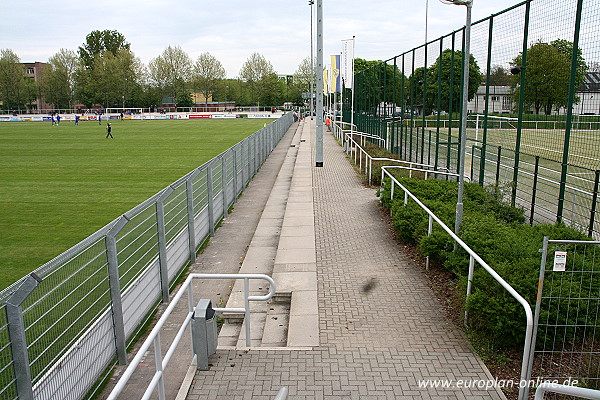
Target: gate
<point>567,314</point>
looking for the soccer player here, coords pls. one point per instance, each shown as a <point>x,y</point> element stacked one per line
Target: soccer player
<point>109,131</point>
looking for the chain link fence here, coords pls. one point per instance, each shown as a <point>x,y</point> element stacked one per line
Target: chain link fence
<point>63,326</point>
<point>533,113</point>
<point>567,314</point>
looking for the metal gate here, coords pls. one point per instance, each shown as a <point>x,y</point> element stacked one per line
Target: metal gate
<point>567,314</point>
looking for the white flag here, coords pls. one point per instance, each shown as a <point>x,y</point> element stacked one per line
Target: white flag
<point>348,63</point>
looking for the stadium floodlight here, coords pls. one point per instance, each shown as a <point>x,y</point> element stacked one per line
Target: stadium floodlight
<point>458,2</point>
<point>463,117</point>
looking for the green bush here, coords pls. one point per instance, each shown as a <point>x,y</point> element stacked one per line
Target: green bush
<point>497,233</point>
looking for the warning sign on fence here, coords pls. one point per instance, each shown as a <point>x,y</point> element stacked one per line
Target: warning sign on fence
<point>560,261</point>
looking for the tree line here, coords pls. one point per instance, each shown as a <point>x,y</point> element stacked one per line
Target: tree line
<point>104,71</point>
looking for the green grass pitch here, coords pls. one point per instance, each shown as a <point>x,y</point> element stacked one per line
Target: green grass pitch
<point>59,184</point>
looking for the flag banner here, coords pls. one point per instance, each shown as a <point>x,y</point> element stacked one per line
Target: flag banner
<point>336,83</point>
<point>325,81</point>
<point>347,64</point>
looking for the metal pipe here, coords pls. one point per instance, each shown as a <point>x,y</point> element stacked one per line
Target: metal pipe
<point>463,121</point>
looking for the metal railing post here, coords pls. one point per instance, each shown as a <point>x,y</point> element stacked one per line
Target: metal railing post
<point>209,189</point>
<point>162,244</point>
<point>469,286</point>
<point>235,176</point>
<point>534,189</point>
<point>191,214</point>
<point>115,289</point>
<point>247,308</point>
<point>429,232</point>
<point>224,186</point>
<point>18,340</point>
<point>594,204</point>
<point>158,360</point>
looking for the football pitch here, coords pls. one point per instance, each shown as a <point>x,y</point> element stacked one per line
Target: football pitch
<point>59,184</point>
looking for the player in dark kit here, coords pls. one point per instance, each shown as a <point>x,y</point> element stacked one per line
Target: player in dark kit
<point>108,131</point>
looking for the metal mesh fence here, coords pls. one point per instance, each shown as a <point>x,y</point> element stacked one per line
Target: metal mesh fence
<point>533,106</point>
<point>64,324</point>
<point>568,314</point>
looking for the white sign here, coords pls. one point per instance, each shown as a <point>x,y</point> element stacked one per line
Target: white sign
<point>560,261</point>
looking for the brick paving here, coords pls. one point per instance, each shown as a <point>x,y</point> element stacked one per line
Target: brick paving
<point>381,328</point>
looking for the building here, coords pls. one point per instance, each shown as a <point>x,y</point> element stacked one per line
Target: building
<point>589,95</point>
<point>501,100</point>
<point>34,70</point>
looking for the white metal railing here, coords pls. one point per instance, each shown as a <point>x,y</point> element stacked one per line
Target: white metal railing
<point>154,337</point>
<point>576,391</point>
<point>360,153</point>
<point>525,370</point>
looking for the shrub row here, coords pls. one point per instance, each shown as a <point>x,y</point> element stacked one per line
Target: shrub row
<point>497,233</point>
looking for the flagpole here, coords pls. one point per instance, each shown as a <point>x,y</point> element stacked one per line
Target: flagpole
<point>353,86</point>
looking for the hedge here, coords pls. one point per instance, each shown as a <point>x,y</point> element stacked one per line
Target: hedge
<point>497,232</point>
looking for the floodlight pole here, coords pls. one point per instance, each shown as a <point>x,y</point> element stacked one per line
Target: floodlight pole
<point>319,72</point>
<point>463,117</point>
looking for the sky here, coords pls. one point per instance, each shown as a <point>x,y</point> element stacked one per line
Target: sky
<point>232,30</point>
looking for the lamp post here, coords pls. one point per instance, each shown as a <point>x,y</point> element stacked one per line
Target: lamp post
<point>463,118</point>
<point>319,89</point>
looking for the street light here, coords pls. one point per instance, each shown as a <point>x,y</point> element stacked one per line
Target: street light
<point>463,118</point>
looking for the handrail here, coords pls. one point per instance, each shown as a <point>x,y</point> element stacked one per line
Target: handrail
<point>370,159</point>
<point>474,257</point>
<point>426,171</point>
<point>583,393</point>
<point>154,336</point>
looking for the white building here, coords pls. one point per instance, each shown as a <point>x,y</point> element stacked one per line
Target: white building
<point>501,101</point>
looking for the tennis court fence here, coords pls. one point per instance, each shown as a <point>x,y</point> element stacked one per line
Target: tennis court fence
<point>534,106</point>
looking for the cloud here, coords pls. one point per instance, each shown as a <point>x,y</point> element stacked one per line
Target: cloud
<point>230,30</point>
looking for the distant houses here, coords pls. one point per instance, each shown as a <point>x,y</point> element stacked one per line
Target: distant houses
<point>501,99</point>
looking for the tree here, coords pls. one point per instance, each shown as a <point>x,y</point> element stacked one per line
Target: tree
<point>58,79</point>
<point>98,42</point>
<point>16,89</point>
<point>547,75</point>
<point>207,73</point>
<point>499,76</point>
<point>231,90</point>
<point>377,82</point>
<point>171,72</point>
<point>442,76</point>
<point>258,74</point>
<point>304,75</point>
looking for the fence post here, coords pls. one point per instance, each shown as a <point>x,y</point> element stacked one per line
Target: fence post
<point>594,203</point>
<point>115,288</point>
<point>235,175</point>
<point>224,185</point>
<point>469,286</point>
<point>162,243</point>
<point>487,102</point>
<point>18,340</point>
<point>498,160</point>
<point>534,190</point>
<point>191,213</point>
<point>538,305</point>
<point>521,103</point>
<point>572,88</point>
<point>209,190</point>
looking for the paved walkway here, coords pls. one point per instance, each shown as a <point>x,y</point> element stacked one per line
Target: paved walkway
<point>380,328</point>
